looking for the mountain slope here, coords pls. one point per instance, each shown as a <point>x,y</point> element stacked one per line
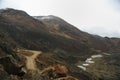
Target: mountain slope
<point>23,31</point>
<point>58,26</point>
<point>33,32</point>
<point>63,46</point>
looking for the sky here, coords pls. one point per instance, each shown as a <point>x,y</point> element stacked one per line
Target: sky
<point>99,17</point>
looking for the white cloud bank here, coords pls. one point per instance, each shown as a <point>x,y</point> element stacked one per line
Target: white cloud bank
<point>100,17</point>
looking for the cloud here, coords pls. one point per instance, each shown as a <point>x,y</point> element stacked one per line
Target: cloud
<point>0,1</point>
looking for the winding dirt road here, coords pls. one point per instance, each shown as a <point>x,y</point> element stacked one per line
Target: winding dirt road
<point>30,60</point>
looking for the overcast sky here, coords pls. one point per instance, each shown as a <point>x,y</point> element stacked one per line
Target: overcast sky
<point>101,17</point>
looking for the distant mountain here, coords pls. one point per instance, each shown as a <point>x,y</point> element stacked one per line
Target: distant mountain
<point>60,27</point>
<point>59,41</point>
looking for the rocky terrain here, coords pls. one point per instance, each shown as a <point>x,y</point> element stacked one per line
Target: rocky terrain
<point>49,48</point>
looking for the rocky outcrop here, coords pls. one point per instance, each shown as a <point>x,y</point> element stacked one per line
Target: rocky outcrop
<point>11,66</point>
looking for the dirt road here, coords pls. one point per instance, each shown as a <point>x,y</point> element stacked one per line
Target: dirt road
<point>30,60</point>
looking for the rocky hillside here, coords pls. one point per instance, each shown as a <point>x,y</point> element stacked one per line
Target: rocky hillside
<point>63,47</point>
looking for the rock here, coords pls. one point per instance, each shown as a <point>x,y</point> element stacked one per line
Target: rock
<point>10,66</point>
